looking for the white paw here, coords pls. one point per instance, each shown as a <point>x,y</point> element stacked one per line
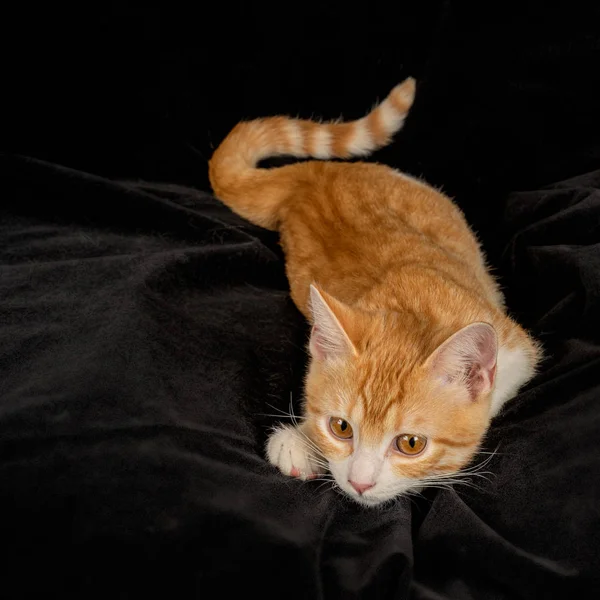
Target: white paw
<point>290,451</point>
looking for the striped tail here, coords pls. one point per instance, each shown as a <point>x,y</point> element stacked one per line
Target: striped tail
<point>257,194</point>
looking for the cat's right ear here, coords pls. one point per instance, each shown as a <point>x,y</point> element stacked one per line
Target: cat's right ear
<point>468,358</point>
<point>328,338</point>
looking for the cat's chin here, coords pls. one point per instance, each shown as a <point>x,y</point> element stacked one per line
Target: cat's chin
<point>373,501</point>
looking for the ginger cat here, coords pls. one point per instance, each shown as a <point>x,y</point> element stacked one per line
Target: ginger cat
<point>411,350</point>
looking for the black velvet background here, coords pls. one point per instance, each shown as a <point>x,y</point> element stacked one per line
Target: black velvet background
<point>145,332</point>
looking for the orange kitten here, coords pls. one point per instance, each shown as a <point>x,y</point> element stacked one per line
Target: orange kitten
<point>412,352</point>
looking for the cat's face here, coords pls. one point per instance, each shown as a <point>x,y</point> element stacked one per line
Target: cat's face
<point>387,422</point>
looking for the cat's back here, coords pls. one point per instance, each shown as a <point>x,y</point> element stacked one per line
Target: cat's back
<point>351,226</point>
<point>350,205</point>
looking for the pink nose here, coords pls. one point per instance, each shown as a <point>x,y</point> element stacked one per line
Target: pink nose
<point>360,487</point>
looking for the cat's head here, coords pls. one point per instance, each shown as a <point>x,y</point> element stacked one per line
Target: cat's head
<point>391,407</point>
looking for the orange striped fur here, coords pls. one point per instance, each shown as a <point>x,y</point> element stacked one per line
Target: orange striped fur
<point>410,334</point>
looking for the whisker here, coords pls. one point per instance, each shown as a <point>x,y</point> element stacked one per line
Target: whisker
<point>294,419</point>
<point>482,474</point>
<point>282,412</point>
<point>319,459</point>
<point>439,487</point>
<point>462,477</point>
<point>450,483</point>
<point>413,497</point>
<point>445,480</point>
<point>315,449</point>
<point>457,476</point>
<point>310,444</point>
<point>478,466</point>
<point>334,486</point>
<point>276,416</point>
<point>325,478</point>
<point>325,482</point>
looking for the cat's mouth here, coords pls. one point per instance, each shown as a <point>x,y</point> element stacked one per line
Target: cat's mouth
<point>369,498</point>
<point>376,500</point>
<point>378,495</point>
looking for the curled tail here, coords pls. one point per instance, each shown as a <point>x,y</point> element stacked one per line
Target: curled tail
<point>257,194</point>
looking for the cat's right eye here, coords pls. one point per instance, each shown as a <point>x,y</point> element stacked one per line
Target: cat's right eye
<point>340,428</point>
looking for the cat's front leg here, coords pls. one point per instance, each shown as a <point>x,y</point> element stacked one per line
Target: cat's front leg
<point>293,453</point>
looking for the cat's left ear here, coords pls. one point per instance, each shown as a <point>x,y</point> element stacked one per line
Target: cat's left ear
<point>328,338</point>
<point>468,358</point>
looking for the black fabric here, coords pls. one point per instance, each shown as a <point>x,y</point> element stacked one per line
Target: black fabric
<point>147,337</point>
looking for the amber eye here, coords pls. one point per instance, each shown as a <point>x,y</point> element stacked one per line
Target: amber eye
<point>410,444</point>
<point>340,428</point>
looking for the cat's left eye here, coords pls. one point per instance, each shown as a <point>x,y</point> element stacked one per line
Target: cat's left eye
<point>340,428</point>
<point>410,444</point>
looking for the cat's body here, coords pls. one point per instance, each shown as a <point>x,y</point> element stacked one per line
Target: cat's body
<point>410,341</point>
